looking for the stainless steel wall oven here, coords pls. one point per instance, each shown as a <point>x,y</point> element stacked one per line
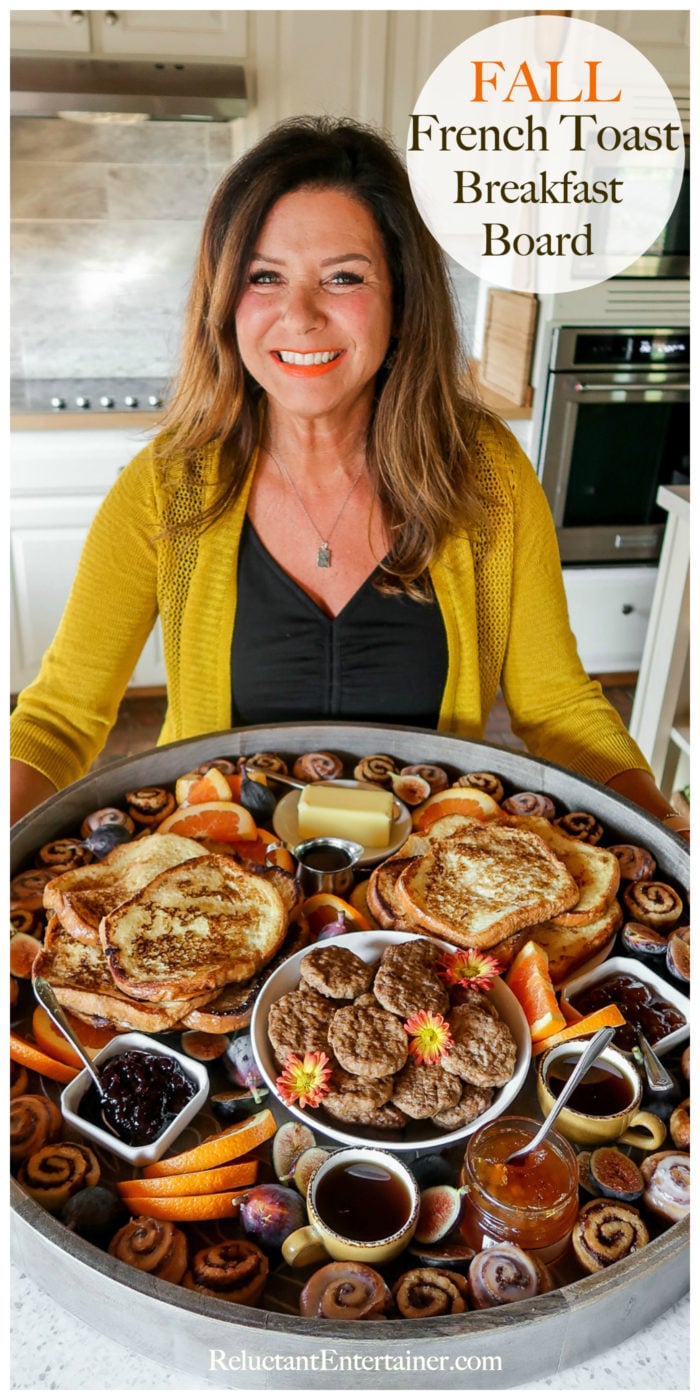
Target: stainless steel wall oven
<point>616,427</point>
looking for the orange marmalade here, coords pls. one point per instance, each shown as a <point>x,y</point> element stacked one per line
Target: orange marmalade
<point>532,1202</point>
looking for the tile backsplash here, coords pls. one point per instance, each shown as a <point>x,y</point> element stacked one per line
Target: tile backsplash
<point>105,226</point>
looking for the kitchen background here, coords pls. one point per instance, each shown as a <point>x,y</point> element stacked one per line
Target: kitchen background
<point>105,224</point>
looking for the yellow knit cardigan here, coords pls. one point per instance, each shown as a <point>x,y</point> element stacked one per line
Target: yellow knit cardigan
<point>502,602</point>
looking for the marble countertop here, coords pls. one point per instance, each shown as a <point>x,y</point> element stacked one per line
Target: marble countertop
<point>52,1350</point>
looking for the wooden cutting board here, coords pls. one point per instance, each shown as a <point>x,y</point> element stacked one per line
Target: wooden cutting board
<point>509,334</point>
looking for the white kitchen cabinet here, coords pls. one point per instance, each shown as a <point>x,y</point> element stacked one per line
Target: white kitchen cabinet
<point>609,613</point>
<point>183,34</point>
<point>58,481</point>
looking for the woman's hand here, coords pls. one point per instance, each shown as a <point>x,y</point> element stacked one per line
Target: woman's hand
<point>639,787</point>
<point>28,787</point>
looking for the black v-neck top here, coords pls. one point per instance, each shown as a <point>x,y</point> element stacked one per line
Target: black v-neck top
<point>382,659</point>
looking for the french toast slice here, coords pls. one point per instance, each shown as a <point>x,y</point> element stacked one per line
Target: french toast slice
<point>195,927</point>
<point>232,1007</point>
<point>82,897</point>
<point>569,948</point>
<point>80,978</point>
<point>595,870</point>
<point>485,882</point>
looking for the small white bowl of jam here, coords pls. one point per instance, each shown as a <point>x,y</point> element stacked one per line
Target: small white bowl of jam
<point>153,1092</point>
<point>645,999</point>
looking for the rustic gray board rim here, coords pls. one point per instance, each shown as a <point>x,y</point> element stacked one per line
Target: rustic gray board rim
<point>178,1328</point>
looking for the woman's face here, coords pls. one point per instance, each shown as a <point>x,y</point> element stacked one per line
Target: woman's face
<point>314,322</point>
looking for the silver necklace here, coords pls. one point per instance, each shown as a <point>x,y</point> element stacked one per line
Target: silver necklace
<point>323,555</point>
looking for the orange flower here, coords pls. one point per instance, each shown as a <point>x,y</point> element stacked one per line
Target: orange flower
<point>469,967</point>
<point>304,1081</point>
<point>430,1037</point>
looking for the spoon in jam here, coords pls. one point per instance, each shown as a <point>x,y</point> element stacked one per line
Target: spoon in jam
<point>599,1042</point>
<point>47,998</point>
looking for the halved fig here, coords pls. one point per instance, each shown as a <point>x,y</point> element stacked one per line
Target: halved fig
<point>290,1140</point>
<point>439,1212</point>
<point>23,950</point>
<point>447,1254</point>
<point>410,788</point>
<point>615,1175</point>
<point>431,772</point>
<point>433,1170</point>
<point>584,1173</point>
<point>305,1166</point>
<point>204,1046</point>
<point>643,941</point>
<point>237,1103</point>
<point>678,954</point>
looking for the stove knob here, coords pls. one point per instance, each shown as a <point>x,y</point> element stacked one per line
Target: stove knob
<point>131,402</point>
<point>106,401</point>
<point>155,401</point>
<point>82,402</point>
<point>58,402</point>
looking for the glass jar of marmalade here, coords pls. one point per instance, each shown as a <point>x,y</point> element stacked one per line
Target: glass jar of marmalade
<point>532,1202</point>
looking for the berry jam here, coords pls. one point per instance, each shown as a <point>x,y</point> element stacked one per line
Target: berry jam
<point>143,1094</point>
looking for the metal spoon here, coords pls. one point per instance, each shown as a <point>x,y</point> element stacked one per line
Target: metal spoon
<point>274,777</point>
<point>657,1076</point>
<point>45,994</point>
<point>597,1045</point>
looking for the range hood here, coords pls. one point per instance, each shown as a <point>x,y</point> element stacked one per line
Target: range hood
<point>105,89</point>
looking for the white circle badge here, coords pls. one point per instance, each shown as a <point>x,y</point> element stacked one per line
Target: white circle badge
<point>545,154</point>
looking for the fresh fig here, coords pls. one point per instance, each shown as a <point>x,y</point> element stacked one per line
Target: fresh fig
<point>269,1213</point>
<point>433,1170</point>
<point>94,1213</point>
<point>237,1103</point>
<point>256,797</point>
<point>439,1212</point>
<point>614,1174</point>
<point>240,1063</point>
<point>204,1046</point>
<point>583,1160</point>
<point>678,954</point>
<point>448,1254</point>
<point>643,941</point>
<point>338,926</point>
<point>410,788</point>
<point>305,1166</point>
<point>287,1146</point>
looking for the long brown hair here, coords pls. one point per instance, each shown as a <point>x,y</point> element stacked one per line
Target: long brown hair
<point>425,418</point>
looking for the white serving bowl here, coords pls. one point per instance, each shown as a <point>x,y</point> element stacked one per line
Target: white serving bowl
<point>633,968</point>
<point>369,946</point>
<point>137,1156</point>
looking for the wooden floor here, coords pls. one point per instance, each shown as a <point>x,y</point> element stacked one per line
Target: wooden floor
<point>141,715</point>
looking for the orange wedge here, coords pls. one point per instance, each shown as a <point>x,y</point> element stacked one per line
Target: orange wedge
<point>462,801</point>
<point>226,1178</point>
<point>24,1053</point>
<point>51,1040</point>
<point>218,1206</point>
<point>529,980</point>
<point>233,1142</point>
<point>604,1016</point>
<point>217,821</point>
<point>322,909</point>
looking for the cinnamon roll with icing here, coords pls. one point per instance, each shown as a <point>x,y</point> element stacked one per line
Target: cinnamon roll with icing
<point>236,1270</point>
<point>653,902</point>
<point>375,768</point>
<point>607,1231</point>
<point>504,1273</point>
<point>430,1293</point>
<point>57,1170</point>
<point>156,1246</point>
<point>581,826</point>
<point>317,767</point>
<point>635,862</point>
<point>345,1290</point>
<point>667,1178</point>
<point>148,806</point>
<point>486,782</point>
<point>529,804</point>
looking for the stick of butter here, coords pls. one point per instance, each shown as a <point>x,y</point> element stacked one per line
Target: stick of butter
<point>356,814</point>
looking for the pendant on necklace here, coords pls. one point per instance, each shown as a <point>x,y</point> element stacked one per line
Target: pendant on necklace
<point>323,558</point>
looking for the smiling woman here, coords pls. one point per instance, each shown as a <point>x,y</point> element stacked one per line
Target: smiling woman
<point>328,523</point>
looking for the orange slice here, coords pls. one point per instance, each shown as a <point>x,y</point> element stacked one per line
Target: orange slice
<point>233,1142</point>
<point>217,1206</point>
<point>51,1041</point>
<point>529,980</point>
<point>93,1037</point>
<point>586,1025</point>
<point>219,821</point>
<point>358,899</point>
<point>322,909</point>
<point>24,1053</point>
<point>462,801</point>
<point>225,1178</point>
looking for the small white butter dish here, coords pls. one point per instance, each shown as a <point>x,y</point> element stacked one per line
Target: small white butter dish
<point>152,1151</point>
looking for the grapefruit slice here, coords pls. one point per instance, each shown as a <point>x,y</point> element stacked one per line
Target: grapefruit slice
<point>462,801</point>
<point>216,821</point>
<point>529,980</point>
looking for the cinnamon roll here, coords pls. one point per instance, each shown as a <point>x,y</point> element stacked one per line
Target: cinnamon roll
<point>148,806</point>
<point>667,1184</point>
<point>486,782</point>
<point>156,1246</point>
<point>57,1170</point>
<point>607,1231</point>
<point>106,816</point>
<point>375,768</point>
<point>345,1290</point>
<point>27,889</point>
<point>504,1273</point>
<point>268,763</point>
<point>529,804</point>
<point>317,767</point>
<point>636,863</point>
<point>67,853</point>
<point>224,765</point>
<point>435,776</point>
<point>679,1126</point>
<point>19,1079</point>
<point>34,1121</point>
<point>581,826</point>
<point>652,902</point>
<point>236,1270</point>
<point>23,920</point>
<point>430,1293</point>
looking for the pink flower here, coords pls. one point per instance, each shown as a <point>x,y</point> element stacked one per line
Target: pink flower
<point>430,1037</point>
<point>469,967</point>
